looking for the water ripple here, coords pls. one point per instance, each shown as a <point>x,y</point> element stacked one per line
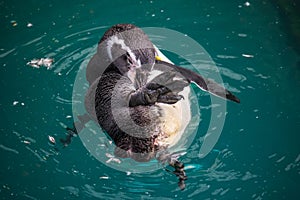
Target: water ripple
<point>68,56</point>
<point>85,31</point>
<point>6,53</point>
<point>34,41</point>
<point>226,56</point>
<point>200,188</point>
<point>294,164</point>
<point>72,59</point>
<point>220,191</point>
<point>90,191</point>
<point>71,189</point>
<point>36,154</point>
<point>229,73</point>
<point>61,100</point>
<point>29,197</point>
<point>8,149</point>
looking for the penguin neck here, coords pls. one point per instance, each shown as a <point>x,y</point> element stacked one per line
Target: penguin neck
<point>140,78</point>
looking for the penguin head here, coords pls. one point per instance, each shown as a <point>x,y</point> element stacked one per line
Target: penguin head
<point>121,55</point>
<point>126,47</point>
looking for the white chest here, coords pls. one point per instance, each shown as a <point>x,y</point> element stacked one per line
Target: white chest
<point>175,117</point>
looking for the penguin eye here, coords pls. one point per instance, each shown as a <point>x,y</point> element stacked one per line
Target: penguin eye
<point>128,59</point>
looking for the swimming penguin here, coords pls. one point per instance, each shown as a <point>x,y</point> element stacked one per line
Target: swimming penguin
<point>139,98</point>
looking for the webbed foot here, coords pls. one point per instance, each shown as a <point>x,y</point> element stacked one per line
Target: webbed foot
<point>71,133</point>
<point>154,92</point>
<point>166,94</point>
<point>180,173</point>
<point>77,127</point>
<point>177,165</point>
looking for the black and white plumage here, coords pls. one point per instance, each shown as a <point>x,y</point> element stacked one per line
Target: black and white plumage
<point>140,102</point>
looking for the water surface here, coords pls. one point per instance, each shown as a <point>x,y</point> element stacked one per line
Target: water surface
<point>257,155</point>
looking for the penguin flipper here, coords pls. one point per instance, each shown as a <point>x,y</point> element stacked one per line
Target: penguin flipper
<point>204,84</point>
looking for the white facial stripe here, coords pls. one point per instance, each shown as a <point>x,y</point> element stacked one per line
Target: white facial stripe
<point>138,63</point>
<point>115,40</point>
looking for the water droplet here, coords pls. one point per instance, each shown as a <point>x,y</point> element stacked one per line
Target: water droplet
<point>247,55</point>
<point>29,25</point>
<point>26,142</point>
<point>247,3</point>
<point>13,23</point>
<point>51,139</point>
<point>242,35</point>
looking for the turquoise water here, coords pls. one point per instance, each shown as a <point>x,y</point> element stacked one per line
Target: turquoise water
<point>257,155</point>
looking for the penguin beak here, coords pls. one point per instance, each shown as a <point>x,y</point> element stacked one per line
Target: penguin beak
<point>158,58</point>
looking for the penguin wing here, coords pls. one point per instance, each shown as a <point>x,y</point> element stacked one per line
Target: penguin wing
<point>204,84</point>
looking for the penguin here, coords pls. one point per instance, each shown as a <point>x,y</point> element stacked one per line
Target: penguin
<point>140,98</point>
